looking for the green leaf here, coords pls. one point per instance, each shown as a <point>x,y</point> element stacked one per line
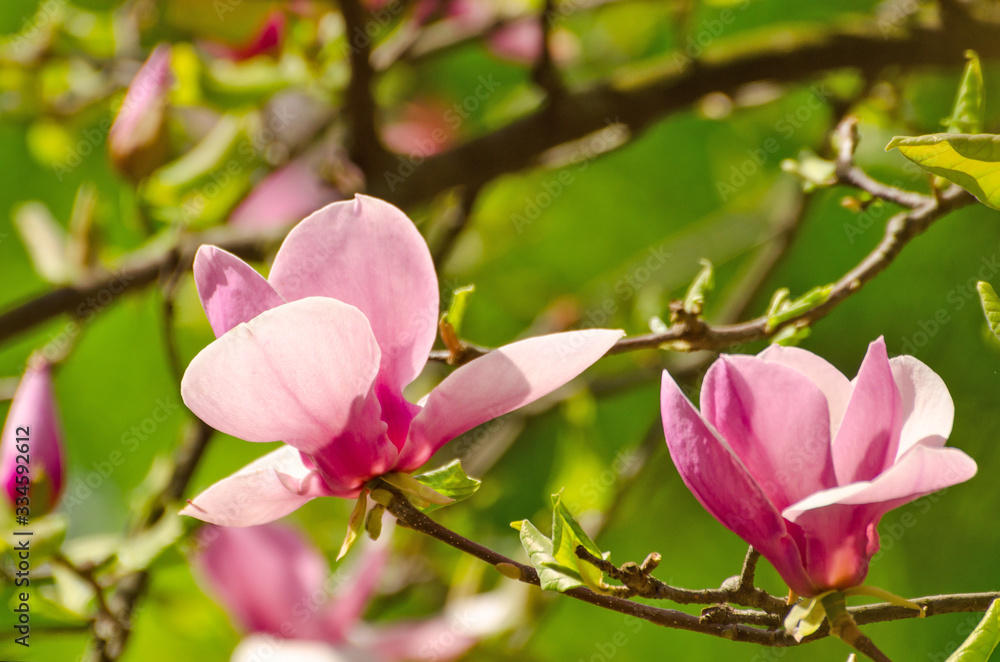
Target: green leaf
<point>980,644</point>
<point>972,162</point>
<point>449,481</point>
<point>354,524</point>
<point>991,305</point>
<point>806,617</point>
<point>812,170</point>
<point>970,104</point>
<point>551,575</point>
<point>701,286</point>
<point>567,535</point>
<point>421,495</point>
<point>456,310</point>
<point>781,310</point>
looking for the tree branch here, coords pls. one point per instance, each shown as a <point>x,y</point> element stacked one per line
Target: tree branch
<point>574,115</point>
<point>727,623</point>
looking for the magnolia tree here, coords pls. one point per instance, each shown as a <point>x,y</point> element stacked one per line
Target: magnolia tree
<point>317,314</point>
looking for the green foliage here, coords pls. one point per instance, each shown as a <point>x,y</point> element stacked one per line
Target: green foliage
<point>449,481</point>
<point>991,306</point>
<point>971,162</point>
<point>970,104</point>
<point>555,559</point>
<point>984,639</point>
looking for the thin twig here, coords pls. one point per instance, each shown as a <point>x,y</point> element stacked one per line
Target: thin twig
<point>849,173</point>
<point>738,630</point>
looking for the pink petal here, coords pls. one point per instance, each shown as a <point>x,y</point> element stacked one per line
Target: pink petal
<point>500,382</point>
<point>348,604</point>
<point>287,195</point>
<point>231,291</point>
<point>928,410</point>
<point>299,372</point>
<point>265,490</point>
<point>430,640</point>
<point>264,576</point>
<point>34,420</point>
<point>725,488</point>
<point>868,437</point>
<point>777,423</point>
<point>520,41</point>
<point>268,38</point>
<point>367,253</point>
<point>921,470</point>
<point>834,385</point>
<point>258,648</point>
<point>136,140</point>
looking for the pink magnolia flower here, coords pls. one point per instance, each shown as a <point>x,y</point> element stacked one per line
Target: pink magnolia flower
<point>266,39</point>
<point>283,197</point>
<point>318,356</point>
<point>138,141</point>
<point>802,463</point>
<point>279,588</point>
<point>33,420</point>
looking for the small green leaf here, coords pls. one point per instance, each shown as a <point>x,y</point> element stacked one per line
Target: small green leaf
<point>459,302</point>
<point>701,286</point>
<point>817,296</point>
<point>806,617</point>
<point>791,335</point>
<point>812,170</point>
<point>991,305</point>
<point>449,481</point>
<point>970,104</point>
<point>971,161</point>
<point>567,535</point>
<point>422,494</point>
<point>354,524</point>
<point>980,644</point>
<point>551,575</point>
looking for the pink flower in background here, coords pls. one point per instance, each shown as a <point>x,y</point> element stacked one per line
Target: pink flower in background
<point>33,416</point>
<point>802,463</point>
<point>266,40</point>
<point>283,197</point>
<point>520,41</point>
<point>318,355</point>
<point>138,141</point>
<point>422,130</point>
<point>277,587</point>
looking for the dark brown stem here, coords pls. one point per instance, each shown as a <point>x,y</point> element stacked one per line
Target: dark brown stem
<point>850,174</point>
<point>753,626</point>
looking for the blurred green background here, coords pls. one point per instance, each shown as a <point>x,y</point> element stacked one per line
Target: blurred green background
<point>658,194</point>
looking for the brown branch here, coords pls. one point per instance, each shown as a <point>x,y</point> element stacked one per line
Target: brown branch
<point>733,624</point>
<point>109,642</point>
<point>574,115</point>
<point>362,139</point>
<point>849,173</point>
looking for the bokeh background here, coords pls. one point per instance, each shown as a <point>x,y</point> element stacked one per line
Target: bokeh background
<point>625,234</point>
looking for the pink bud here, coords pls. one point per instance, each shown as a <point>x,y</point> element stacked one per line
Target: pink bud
<point>266,40</point>
<point>138,142</point>
<point>32,437</point>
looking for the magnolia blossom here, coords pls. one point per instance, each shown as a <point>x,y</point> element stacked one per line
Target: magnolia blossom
<point>318,356</point>
<point>138,141</point>
<point>283,197</point>
<point>266,39</point>
<point>279,588</point>
<point>33,420</point>
<point>802,463</point>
